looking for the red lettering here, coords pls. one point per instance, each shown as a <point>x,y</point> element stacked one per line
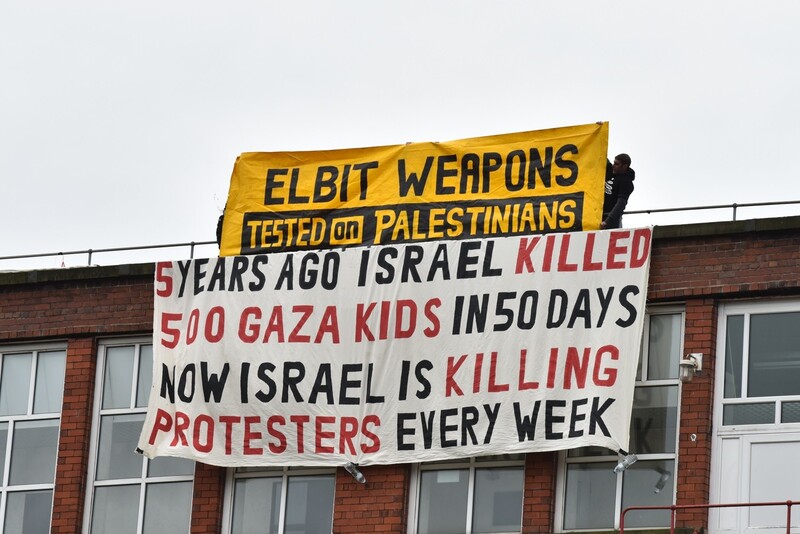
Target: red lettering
<point>362,328</point>
<point>191,326</point>
<point>476,376</point>
<point>375,442</point>
<point>320,434</point>
<point>249,332</point>
<point>588,252</point>
<point>182,423</point>
<point>347,431</point>
<point>201,420</point>
<point>250,434</point>
<point>383,329</point>
<point>275,324</point>
<point>640,249</point>
<point>399,331</point>
<point>166,279</point>
<point>430,315</point>
<point>330,325</point>
<point>577,367</point>
<point>494,387</point>
<point>522,384</point>
<point>173,333</point>
<point>305,311</point>
<point>563,264</point>
<point>524,252</point>
<point>551,370</point>
<point>229,421</point>
<point>277,434</point>
<point>162,423</point>
<point>300,421</point>
<point>609,374</point>
<point>450,383</point>
<point>215,335</point>
<point>615,249</point>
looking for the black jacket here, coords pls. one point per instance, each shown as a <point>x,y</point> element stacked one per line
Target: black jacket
<point>619,188</point>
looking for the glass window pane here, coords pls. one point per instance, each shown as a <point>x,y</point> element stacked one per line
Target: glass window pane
<point>15,384</point>
<point>583,452</point>
<point>309,504</point>
<point>648,483</point>
<point>167,466</point>
<point>49,382</point>
<point>256,505</point>
<point>28,512</point>
<point>116,509</point>
<point>145,375</point>
<point>734,348</point>
<point>790,412</point>
<point>664,348</point>
<point>762,413</point>
<point>499,458</point>
<point>443,501</point>
<point>590,496</point>
<point>118,379</point>
<point>3,449</point>
<point>774,355</point>
<point>119,437</point>
<point>497,505</point>
<point>33,452</point>
<point>168,507</point>
<point>654,420</point>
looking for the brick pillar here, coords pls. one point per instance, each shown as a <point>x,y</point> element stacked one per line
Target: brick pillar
<point>74,438</point>
<point>380,505</point>
<point>697,399</point>
<point>207,499</point>
<point>539,496</point>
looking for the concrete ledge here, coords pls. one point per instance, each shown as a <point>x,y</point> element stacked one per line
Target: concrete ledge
<point>73,274</point>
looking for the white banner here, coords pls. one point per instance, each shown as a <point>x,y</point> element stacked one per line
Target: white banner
<point>394,354</point>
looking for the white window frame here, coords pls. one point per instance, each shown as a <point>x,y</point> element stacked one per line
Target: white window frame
<point>97,413</point>
<point>747,309</point>
<point>35,349</point>
<point>564,460</point>
<point>472,464</point>
<point>285,473</point>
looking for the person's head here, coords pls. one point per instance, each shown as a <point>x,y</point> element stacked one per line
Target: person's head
<point>622,163</point>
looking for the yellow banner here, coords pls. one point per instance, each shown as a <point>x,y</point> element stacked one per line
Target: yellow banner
<point>512,184</point>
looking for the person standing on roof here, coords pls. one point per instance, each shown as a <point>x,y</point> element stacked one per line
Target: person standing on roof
<point>619,187</point>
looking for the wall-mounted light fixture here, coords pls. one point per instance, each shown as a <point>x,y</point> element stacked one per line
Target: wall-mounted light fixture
<point>351,468</point>
<point>691,365</point>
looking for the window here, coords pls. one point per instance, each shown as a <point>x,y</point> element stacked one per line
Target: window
<point>761,384</point>
<point>592,494</point>
<point>280,500</point>
<point>31,390</point>
<point>473,495</point>
<point>129,493</point>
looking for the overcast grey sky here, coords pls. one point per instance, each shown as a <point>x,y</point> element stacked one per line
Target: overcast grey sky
<point>120,121</point>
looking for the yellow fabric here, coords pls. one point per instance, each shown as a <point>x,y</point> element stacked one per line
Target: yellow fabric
<point>510,184</point>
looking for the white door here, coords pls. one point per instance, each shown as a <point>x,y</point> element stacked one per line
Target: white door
<point>756,468</point>
<point>756,442</point>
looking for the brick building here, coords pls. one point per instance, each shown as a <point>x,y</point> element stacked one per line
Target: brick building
<point>75,365</point>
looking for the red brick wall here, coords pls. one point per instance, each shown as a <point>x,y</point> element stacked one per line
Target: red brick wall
<point>74,438</point>
<point>698,271</point>
<point>724,265</point>
<point>539,495</point>
<point>380,505</point>
<point>119,306</point>
<point>697,398</point>
<point>209,487</point>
